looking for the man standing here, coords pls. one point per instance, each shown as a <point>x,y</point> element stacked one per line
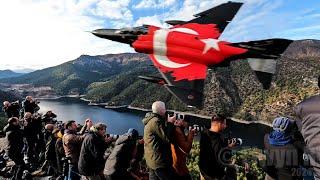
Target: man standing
<point>29,105</point>
<point>308,111</point>
<point>14,138</point>
<point>212,150</point>
<point>124,151</point>
<point>91,161</point>
<point>157,134</point>
<point>181,148</point>
<point>72,146</point>
<point>11,109</point>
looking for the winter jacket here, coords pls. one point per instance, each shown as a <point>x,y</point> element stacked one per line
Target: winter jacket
<point>14,138</point>
<point>12,110</point>
<point>49,119</point>
<point>91,161</point>
<point>157,134</point>
<point>31,107</point>
<point>282,167</point>
<point>180,148</point>
<point>308,111</point>
<point>119,160</point>
<point>50,153</point>
<point>72,145</point>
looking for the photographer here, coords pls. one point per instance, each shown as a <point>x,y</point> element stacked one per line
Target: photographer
<point>282,144</point>
<point>72,146</point>
<point>49,118</point>
<point>11,109</point>
<point>91,160</point>
<point>157,133</point>
<point>14,146</point>
<point>30,105</point>
<point>212,148</point>
<point>31,135</point>
<point>116,167</point>
<point>181,147</point>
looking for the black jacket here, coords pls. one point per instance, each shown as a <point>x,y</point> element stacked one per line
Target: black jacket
<point>91,161</point>
<point>30,106</point>
<point>119,160</point>
<point>49,119</point>
<point>12,110</point>
<point>50,153</point>
<point>14,138</point>
<point>210,161</point>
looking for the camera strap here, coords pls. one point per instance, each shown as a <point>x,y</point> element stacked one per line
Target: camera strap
<point>182,150</point>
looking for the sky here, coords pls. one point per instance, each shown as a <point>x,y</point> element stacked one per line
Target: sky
<point>37,34</point>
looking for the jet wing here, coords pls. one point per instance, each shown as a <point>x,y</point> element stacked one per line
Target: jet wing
<point>220,15</point>
<point>188,90</point>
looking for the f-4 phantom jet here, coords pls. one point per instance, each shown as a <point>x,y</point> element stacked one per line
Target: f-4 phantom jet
<point>184,52</point>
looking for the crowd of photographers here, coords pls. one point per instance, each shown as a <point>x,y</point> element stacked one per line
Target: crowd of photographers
<point>44,146</point>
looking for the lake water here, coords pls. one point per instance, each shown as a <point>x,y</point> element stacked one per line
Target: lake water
<point>74,109</point>
<point>120,122</point>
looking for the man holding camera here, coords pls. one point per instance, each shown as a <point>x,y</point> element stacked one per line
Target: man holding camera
<point>157,134</point>
<point>14,138</point>
<point>181,147</point>
<point>118,163</point>
<point>30,105</point>
<point>213,149</point>
<point>72,146</point>
<point>91,160</point>
<point>11,109</point>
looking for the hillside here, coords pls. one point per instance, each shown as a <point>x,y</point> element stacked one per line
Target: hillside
<point>235,90</point>
<point>8,74</point>
<point>74,76</point>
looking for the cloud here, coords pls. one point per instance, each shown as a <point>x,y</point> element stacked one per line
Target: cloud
<point>111,9</point>
<point>145,4</point>
<point>42,33</point>
<point>149,20</point>
<point>47,33</point>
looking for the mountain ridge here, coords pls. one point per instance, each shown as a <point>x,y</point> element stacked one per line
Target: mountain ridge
<point>7,73</point>
<point>235,90</point>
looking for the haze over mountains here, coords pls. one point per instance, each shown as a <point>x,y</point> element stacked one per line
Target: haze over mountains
<point>113,79</point>
<point>9,73</point>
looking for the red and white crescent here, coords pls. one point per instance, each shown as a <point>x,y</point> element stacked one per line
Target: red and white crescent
<point>160,46</point>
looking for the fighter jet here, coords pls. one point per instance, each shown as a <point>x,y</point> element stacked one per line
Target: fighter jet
<point>184,52</point>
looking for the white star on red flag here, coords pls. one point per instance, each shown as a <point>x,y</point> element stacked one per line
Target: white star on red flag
<point>210,43</point>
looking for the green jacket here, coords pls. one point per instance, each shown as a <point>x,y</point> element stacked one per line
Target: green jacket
<point>157,135</point>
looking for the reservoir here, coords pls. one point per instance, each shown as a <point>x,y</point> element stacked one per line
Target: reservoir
<point>119,122</point>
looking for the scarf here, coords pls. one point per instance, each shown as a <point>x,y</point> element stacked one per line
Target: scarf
<point>279,138</point>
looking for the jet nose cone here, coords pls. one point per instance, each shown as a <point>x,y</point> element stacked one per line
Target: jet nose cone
<point>98,32</point>
<point>103,32</point>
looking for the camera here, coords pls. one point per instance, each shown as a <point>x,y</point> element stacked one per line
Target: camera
<point>179,116</point>
<point>113,136</point>
<point>196,127</point>
<point>238,141</point>
<point>15,103</point>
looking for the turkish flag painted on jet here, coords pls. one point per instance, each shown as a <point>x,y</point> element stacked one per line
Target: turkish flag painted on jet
<point>185,50</point>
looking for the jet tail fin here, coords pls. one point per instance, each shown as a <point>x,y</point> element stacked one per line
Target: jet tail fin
<point>262,56</point>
